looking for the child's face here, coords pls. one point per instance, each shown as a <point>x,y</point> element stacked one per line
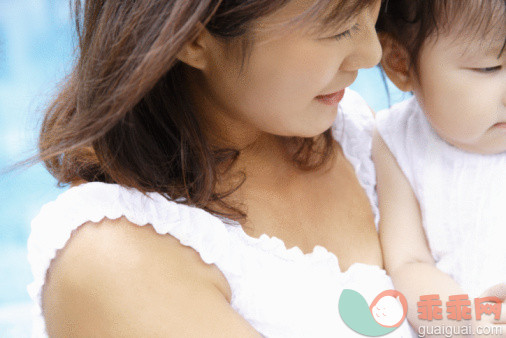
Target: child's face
<point>462,89</point>
<point>276,91</point>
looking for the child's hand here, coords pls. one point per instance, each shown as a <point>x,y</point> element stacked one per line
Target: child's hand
<point>488,323</point>
<point>498,291</point>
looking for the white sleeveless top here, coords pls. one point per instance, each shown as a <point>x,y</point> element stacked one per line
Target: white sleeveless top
<point>281,292</point>
<point>462,197</point>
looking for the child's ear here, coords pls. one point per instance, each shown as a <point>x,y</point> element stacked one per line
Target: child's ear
<point>396,62</point>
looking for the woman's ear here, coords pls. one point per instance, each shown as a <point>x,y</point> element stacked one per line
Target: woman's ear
<point>396,62</point>
<point>195,53</point>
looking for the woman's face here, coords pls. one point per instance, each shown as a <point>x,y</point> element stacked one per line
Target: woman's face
<point>279,89</point>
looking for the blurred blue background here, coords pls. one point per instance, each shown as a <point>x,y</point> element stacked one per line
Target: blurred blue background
<point>36,51</point>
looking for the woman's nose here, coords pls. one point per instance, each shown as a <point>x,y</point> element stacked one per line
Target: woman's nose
<point>367,49</point>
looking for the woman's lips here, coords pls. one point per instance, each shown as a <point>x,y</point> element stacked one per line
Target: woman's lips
<point>331,99</point>
<point>501,125</point>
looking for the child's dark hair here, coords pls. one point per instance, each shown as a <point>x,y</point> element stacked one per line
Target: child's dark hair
<point>411,22</point>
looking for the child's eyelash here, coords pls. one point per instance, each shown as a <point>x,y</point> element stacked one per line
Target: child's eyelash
<point>346,34</point>
<point>488,69</point>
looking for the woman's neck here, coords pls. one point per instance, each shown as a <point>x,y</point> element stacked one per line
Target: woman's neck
<point>265,159</point>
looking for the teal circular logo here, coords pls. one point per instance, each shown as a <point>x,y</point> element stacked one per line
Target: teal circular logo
<point>385,314</point>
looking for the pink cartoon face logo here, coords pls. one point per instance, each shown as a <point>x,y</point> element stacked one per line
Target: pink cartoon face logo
<point>389,308</point>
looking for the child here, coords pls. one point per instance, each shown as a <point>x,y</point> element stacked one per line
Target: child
<point>441,155</point>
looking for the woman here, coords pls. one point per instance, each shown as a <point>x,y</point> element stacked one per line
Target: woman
<point>216,124</point>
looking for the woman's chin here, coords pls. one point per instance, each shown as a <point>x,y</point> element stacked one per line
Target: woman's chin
<point>309,132</point>
<point>307,127</point>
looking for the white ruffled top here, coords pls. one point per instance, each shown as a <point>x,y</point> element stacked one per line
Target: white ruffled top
<point>462,196</point>
<point>281,292</point>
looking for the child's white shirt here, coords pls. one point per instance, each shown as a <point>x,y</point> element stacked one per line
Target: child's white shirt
<point>462,197</point>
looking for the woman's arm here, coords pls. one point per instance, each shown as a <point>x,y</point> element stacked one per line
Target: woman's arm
<point>405,250</point>
<point>116,279</point>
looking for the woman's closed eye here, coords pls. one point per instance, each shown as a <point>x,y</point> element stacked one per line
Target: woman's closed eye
<point>347,33</point>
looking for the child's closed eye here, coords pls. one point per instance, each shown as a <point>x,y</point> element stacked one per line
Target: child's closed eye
<point>488,69</point>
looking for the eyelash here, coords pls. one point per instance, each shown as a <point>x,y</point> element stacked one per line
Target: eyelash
<point>346,34</point>
<point>488,69</point>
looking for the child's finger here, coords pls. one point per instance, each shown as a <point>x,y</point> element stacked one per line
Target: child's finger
<point>502,318</point>
<point>498,291</point>
<point>490,319</point>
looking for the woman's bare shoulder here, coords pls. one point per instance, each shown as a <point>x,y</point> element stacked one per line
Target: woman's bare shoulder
<point>119,243</point>
<point>114,271</point>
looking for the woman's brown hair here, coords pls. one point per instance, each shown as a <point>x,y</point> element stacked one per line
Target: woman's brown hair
<point>124,115</point>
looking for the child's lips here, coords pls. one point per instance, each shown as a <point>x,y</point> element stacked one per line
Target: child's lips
<point>500,125</point>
